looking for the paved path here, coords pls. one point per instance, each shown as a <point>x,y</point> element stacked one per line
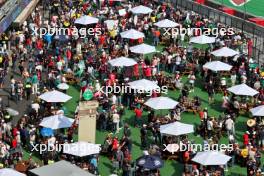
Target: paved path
<point>20,106</point>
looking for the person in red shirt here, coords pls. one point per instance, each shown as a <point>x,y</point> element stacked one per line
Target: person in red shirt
<point>136,71</point>
<point>39,44</point>
<point>138,116</point>
<point>112,79</point>
<point>14,143</point>
<point>102,40</point>
<point>14,132</point>
<point>115,145</point>
<point>68,54</point>
<point>246,138</point>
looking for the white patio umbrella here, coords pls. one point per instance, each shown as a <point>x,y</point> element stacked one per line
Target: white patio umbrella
<point>81,148</point>
<point>202,39</point>
<point>161,103</point>
<point>176,129</point>
<point>132,34</point>
<point>143,49</point>
<point>57,122</point>
<point>122,62</point>
<point>55,97</point>
<point>144,85</point>
<point>10,172</point>
<point>63,86</point>
<point>12,112</point>
<point>211,158</point>
<point>258,111</point>
<point>111,23</point>
<point>243,89</point>
<point>217,66</point>
<point>224,52</point>
<point>85,20</point>
<point>166,23</point>
<point>141,10</point>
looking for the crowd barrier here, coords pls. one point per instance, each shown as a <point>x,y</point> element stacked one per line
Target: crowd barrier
<point>252,30</point>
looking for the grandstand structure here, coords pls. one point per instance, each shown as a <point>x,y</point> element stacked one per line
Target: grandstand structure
<point>9,11</point>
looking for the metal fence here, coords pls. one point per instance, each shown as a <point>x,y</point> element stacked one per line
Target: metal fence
<point>253,31</point>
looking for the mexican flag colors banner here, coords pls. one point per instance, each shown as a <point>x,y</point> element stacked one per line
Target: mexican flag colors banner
<point>239,2</point>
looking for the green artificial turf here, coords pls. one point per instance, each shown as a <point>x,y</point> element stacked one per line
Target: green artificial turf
<point>253,7</point>
<point>171,167</point>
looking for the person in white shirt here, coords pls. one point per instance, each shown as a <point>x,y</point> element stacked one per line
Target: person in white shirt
<point>209,127</point>
<point>233,78</point>
<point>116,120</point>
<point>97,85</point>
<point>191,78</point>
<point>244,78</point>
<point>229,124</point>
<point>177,63</point>
<point>114,99</point>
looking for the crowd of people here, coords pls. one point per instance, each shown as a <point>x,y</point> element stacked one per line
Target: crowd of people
<point>46,61</point>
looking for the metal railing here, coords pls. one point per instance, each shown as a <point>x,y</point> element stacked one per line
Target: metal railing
<point>252,30</point>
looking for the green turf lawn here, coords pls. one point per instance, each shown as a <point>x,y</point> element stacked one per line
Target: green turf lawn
<point>171,167</point>
<point>253,7</point>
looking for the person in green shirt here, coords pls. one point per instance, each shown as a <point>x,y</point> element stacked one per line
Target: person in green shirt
<point>34,81</point>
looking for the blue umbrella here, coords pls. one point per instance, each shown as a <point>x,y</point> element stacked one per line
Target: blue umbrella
<point>46,132</point>
<point>149,162</point>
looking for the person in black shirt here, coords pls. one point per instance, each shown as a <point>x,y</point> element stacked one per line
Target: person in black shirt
<point>127,131</point>
<point>210,91</point>
<point>143,136</point>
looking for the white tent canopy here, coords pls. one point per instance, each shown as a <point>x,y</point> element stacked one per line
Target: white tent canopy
<point>111,23</point>
<point>161,103</point>
<point>166,23</point>
<point>243,89</point>
<point>55,97</point>
<point>224,52</point>
<point>258,111</point>
<point>132,34</point>
<point>141,10</point>
<point>10,172</point>
<point>61,168</point>
<point>202,39</point>
<point>217,66</point>
<point>85,20</point>
<point>176,129</point>
<point>12,112</point>
<point>57,122</point>
<point>211,158</point>
<point>63,86</point>
<point>81,149</point>
<point>143,49</point>
<point>144,85</point>
<point>122,62</point>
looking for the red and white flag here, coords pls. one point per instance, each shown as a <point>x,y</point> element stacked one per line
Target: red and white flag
<point>239,2</point>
